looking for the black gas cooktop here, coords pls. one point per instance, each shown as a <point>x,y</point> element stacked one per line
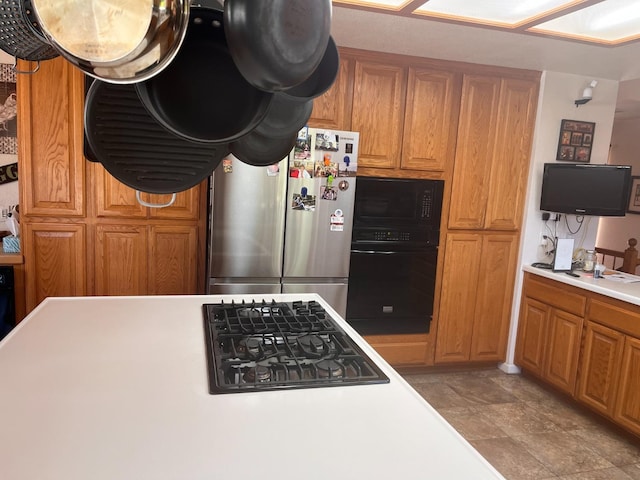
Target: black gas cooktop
<point>268,345</point>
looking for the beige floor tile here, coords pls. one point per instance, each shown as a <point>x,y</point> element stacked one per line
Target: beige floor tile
<point>475,427</point>
<point>518,419</point>
<point>563,453</point>
<point>604,474</point>
<point>610,445</point>
<point>562,414</point>
<point>511,459</point>
<point>480,390</point>
<point>521,388</point>
<point>632,470</point>
<point>440,395</point>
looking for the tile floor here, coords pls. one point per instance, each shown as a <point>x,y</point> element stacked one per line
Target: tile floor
<point>528,432</point>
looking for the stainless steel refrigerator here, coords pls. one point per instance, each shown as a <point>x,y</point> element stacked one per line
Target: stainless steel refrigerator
<point>286,228</point>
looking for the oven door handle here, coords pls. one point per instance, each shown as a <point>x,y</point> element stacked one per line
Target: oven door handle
<point>376,252</point>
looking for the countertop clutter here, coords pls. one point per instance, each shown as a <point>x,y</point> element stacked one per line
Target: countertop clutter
<point>116,387</point>
<point>621,286</point>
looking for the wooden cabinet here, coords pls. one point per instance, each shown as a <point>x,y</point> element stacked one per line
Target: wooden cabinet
<point>378,112</point>
<point>601,359</point>
<point>563,349</point>
<point>584,344</point>
<point>627,410</point>
<point>333,109</point>
<point>84,233</point>
<point>52,174</point>
<point>54,259</point>
<point>550,331</point>
<point>492,153</point>
<point>431,119</point>
<point>475,307</point>
<point>487,196</point>
<point>532,335</point>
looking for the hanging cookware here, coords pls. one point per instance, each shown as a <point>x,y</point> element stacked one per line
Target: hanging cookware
<point>259,150</point>
<point>322,77</point>
<point>20,34</point>
<point>285,117</point>
<point>201,96</point>
<point>136,150</point>
<point>277,44</point>
<point>118,41</point>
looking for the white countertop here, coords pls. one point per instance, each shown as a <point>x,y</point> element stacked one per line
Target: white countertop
<point>116,388</point>
<point>627,292</point>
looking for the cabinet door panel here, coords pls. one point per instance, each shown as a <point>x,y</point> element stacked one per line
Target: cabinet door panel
<point>457,302</point>
<point>494,296</point>
<point>185,207</point>
<point>600,367</point>
<point>121,260</point>
<point>474,151</point>
<point>172,267</point>
<point>55,264</point>
<point>532,335</point>
<point>627,410</point>
<point>113,198</point>
<point>333,109</point>
<point>561,364</point>
<point>431,119</point>
<point>378,112</point>
<point>510,166</point>
<point>50,144</point>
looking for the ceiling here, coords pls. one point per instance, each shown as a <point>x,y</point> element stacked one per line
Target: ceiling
<point>603,22</point>
<point>388,32</point>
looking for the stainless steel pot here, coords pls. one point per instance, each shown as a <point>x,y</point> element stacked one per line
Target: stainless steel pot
<point>118,41</point>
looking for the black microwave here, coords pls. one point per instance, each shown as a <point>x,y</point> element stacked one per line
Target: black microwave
<point>403,212</point>
<point>398,202</point>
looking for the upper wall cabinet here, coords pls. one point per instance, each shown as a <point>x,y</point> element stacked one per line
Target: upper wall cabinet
<point>378,112</point>
<point>431,119</point>
<point>492,152</point>
<point>333,109</point>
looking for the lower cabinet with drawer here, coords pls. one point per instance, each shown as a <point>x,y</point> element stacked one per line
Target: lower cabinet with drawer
<point>584,344</point>
<point>549,332</point>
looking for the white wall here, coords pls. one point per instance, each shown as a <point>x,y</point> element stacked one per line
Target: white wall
<point>555,103</point>
<point>625,150</point>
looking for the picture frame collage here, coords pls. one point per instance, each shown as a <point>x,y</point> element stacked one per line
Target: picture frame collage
<point>576,141</point>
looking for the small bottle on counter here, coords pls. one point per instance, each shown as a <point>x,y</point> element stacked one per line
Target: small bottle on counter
<point>589,263</point>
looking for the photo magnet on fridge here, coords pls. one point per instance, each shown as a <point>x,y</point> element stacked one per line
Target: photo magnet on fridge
<point>564,255</point>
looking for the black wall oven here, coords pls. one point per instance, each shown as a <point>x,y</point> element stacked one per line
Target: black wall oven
<point>394,254</point>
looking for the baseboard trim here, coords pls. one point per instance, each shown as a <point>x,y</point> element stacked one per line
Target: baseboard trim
<point>510,368</point>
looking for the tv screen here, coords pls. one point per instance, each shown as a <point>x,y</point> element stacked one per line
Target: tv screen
<point>586,189</point>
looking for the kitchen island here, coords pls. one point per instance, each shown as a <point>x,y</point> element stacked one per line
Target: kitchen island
<point>117,388</point>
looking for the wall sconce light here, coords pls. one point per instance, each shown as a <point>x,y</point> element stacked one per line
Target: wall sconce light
<point>587,94</point>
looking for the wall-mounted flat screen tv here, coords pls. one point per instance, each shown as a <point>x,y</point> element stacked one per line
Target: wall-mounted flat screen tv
<point>586,189</point>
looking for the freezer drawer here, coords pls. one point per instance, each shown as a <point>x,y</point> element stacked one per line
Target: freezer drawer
<point>335,294</point>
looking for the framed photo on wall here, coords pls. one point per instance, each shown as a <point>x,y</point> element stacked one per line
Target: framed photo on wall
<point>576,140</point>
<point>634,196</point>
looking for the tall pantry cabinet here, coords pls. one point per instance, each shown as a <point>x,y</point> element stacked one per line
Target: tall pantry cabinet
<point>83,232</point>
<point>487,199</point>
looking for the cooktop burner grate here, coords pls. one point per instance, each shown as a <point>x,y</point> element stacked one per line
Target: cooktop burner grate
<point>278,345</point>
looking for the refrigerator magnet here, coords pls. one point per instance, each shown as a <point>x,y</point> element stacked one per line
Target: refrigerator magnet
<point>343,185</point>
<point>306,203</point>
<point>337,221</point>
<point>227,165</point>
<point>328,193</point>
